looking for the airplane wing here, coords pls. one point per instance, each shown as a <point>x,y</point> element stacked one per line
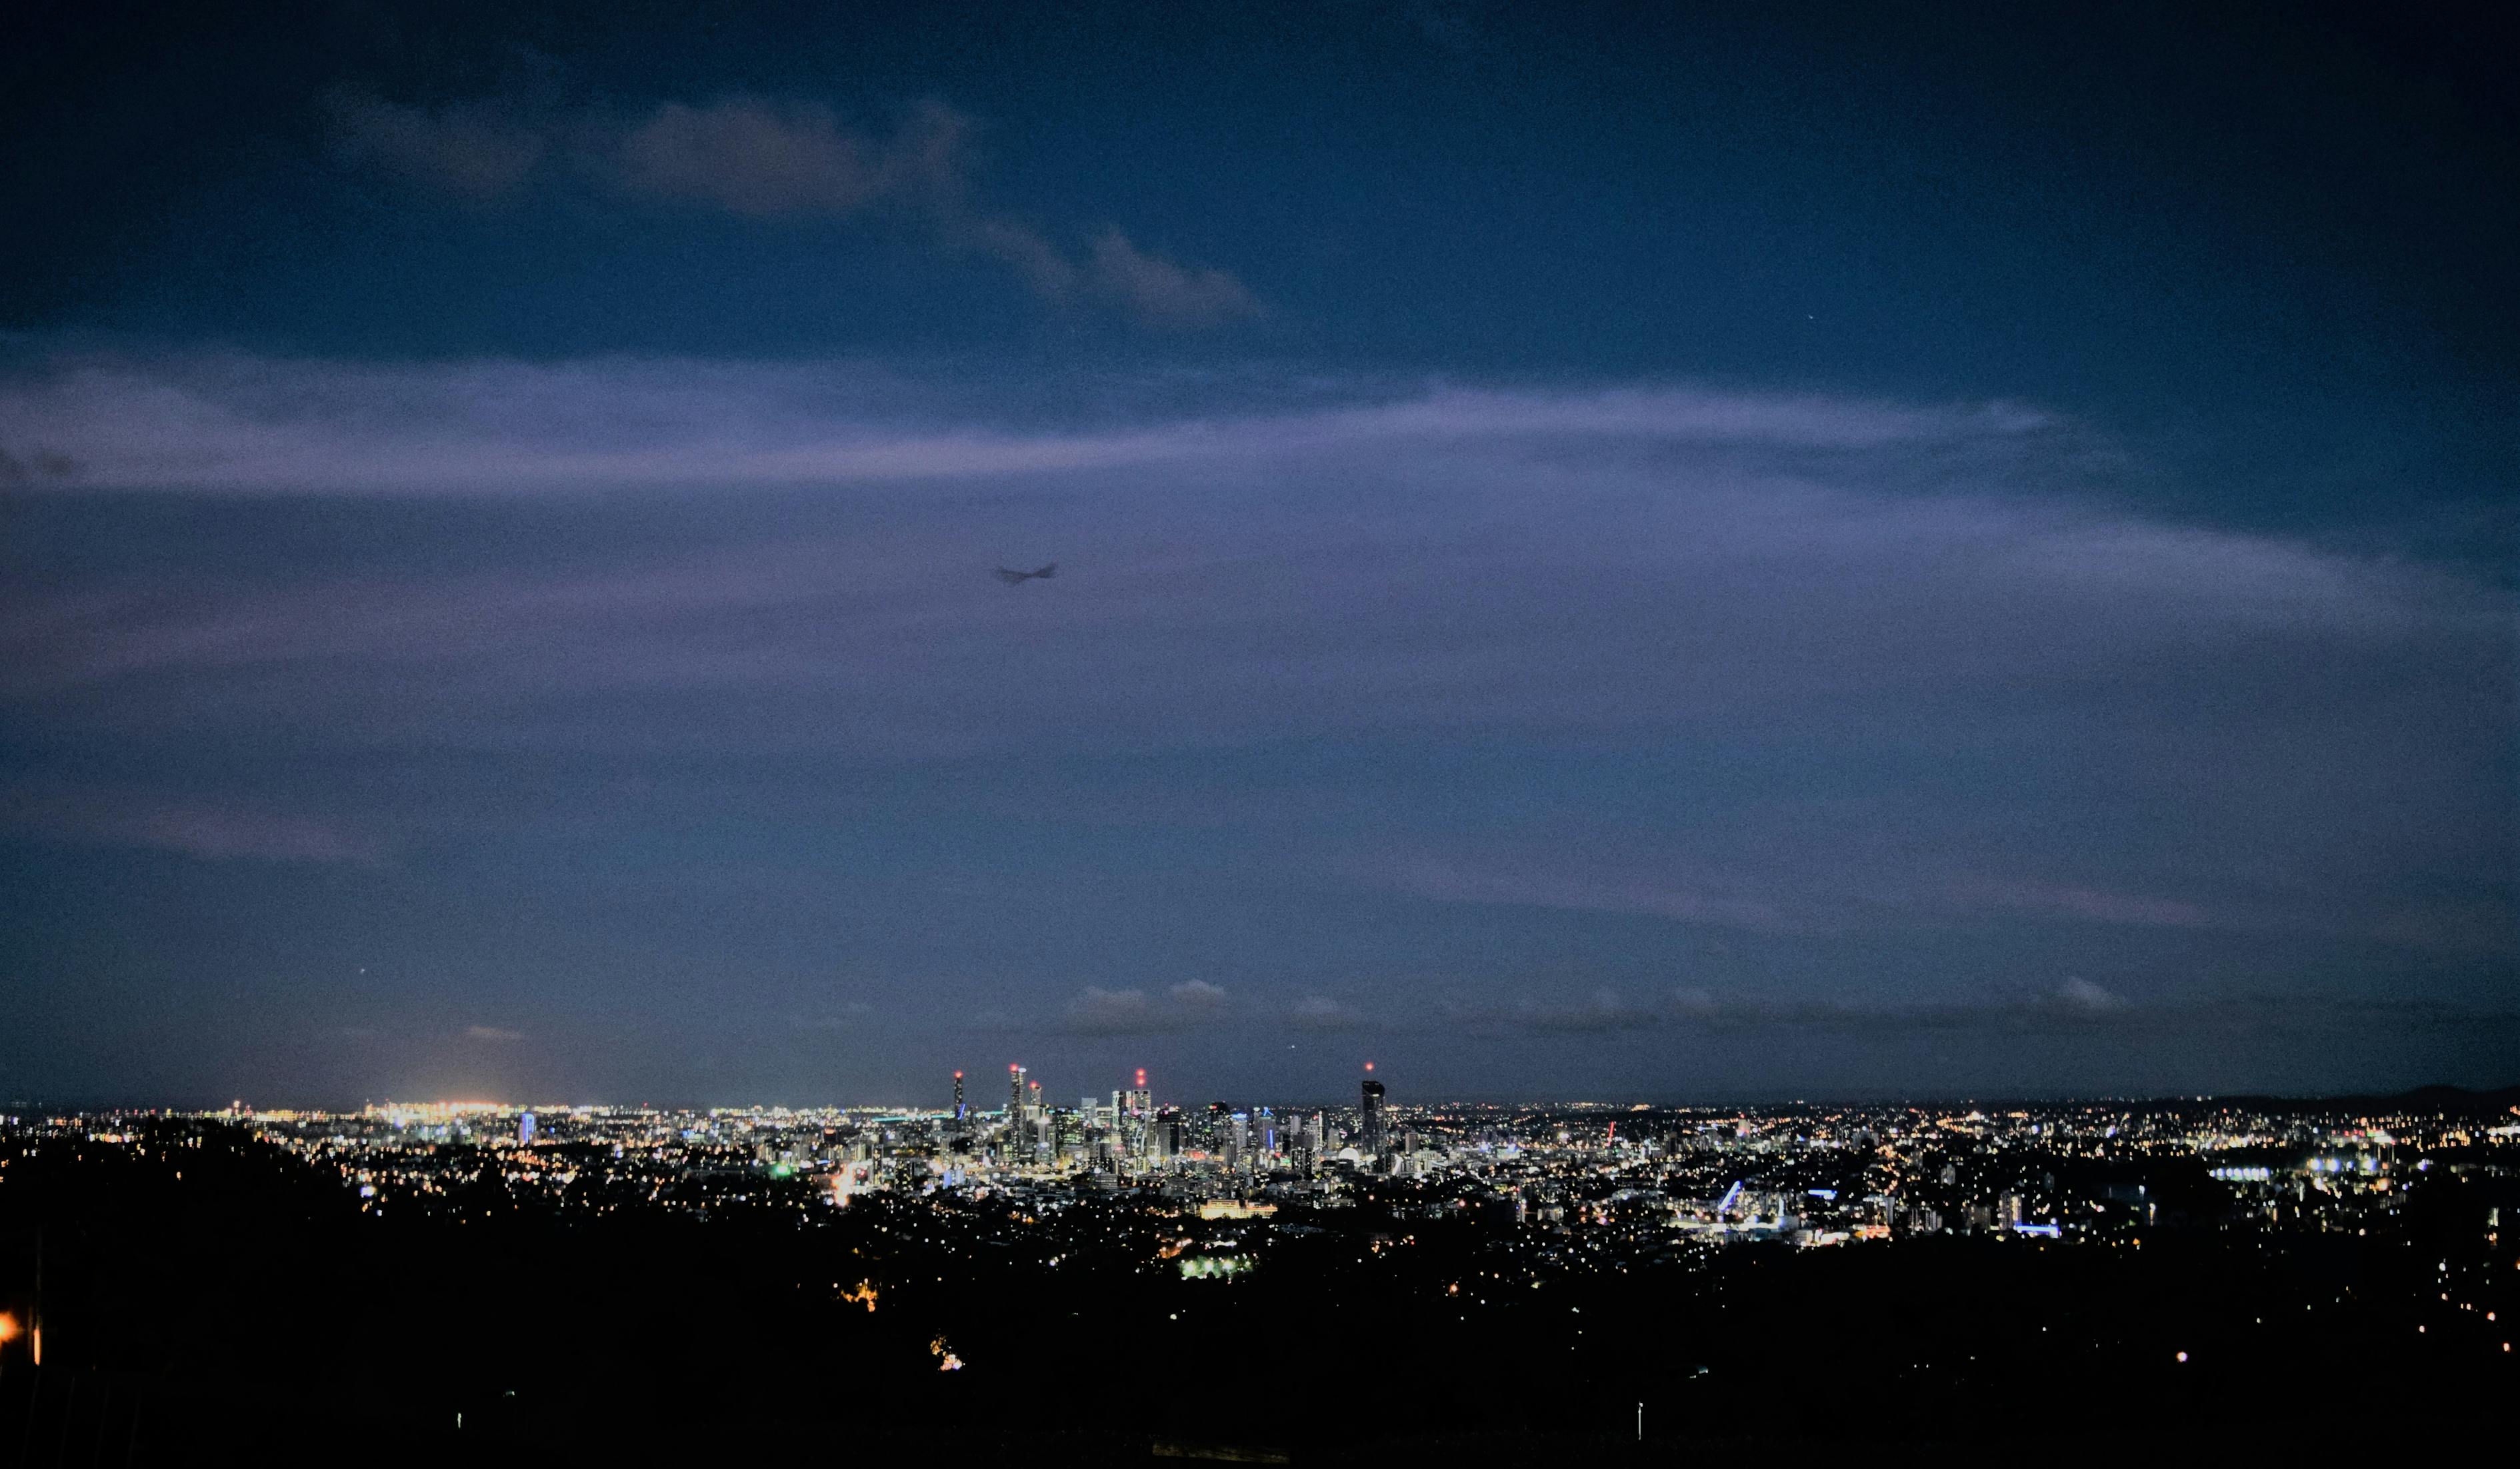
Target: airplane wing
<point>1012,578</point>
<point>1050,570</point>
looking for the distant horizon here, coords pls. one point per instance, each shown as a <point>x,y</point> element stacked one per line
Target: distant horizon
<point>1311,1104</point>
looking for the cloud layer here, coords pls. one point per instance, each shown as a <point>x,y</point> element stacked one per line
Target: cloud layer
<point>1404,709</point>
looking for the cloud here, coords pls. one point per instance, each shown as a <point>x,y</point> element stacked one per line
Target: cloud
<point>1159,292</point>
<point>227,423</point>
<point>1594,892</point>
<point>210,830</point>
<point>1602,1012</point>
<point>1196,997</point>
<point>1135,1012</point>
<point>1787,666</point>
<point>2081,995</point>
<point>1766,902</point>
<point>774,158</point>
<point>764,159</point>
<point>1318,1012</point>
<point>2074,1007</point>
<point>477,150</point>
<point>492,1034</point>
<point>851,1015</point>
<point>2073,901</point>
<point>39,466</point>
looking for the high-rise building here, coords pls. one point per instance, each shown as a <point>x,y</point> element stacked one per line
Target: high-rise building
<point>958,1101</point>
<point>1015,1144</point>
<point>526,1128</point>
<point>1372,1109</point>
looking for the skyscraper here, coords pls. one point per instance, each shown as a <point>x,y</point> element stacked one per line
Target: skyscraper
<point>1372,1118</point>
<point>958,1101</point>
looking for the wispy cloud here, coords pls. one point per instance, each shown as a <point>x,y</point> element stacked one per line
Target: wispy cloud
<point>1321,1012</point>
<point>227,423</point>
<point>2074,901</point>
<point>782,158</point>
<point>493,1033</point>
<point>1803,901</point>
<point>1137,1012</point>
<point>2073,1006</point>
<point>765,159</point>
<point>37,467</point>
<point>1595,893</point>
<point>207,829</point>
<point>1855,666</point>
<point>853,1016</point>
<point>479,150</point>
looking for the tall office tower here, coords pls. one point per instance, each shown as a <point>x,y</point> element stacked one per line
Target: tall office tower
<point>958,1101</point>
<point>1263,1130</point>
<point>1014,1093</point>
<point>1139,1101</point>
<point>1373,1146</point>
<point>526,1128</point>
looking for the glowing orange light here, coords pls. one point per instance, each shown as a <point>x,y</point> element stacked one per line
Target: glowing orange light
<point>958,1076</point>
<point>1368,1065</point>
<point>8,1327</point>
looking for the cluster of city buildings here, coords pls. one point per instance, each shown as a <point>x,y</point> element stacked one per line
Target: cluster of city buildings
<point>1639,1182</point>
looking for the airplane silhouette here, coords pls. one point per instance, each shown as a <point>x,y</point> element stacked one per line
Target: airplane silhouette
<point>1018,579</point>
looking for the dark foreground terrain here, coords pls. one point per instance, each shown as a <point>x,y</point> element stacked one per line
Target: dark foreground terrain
<point>211,1300</point>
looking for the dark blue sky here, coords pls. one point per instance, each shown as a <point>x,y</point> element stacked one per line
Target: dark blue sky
<point>1604,550</point>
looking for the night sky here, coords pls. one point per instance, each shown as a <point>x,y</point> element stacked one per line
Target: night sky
<point>1617,552</point>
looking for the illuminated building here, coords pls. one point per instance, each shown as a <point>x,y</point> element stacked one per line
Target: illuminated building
<point>1372,1124</point>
